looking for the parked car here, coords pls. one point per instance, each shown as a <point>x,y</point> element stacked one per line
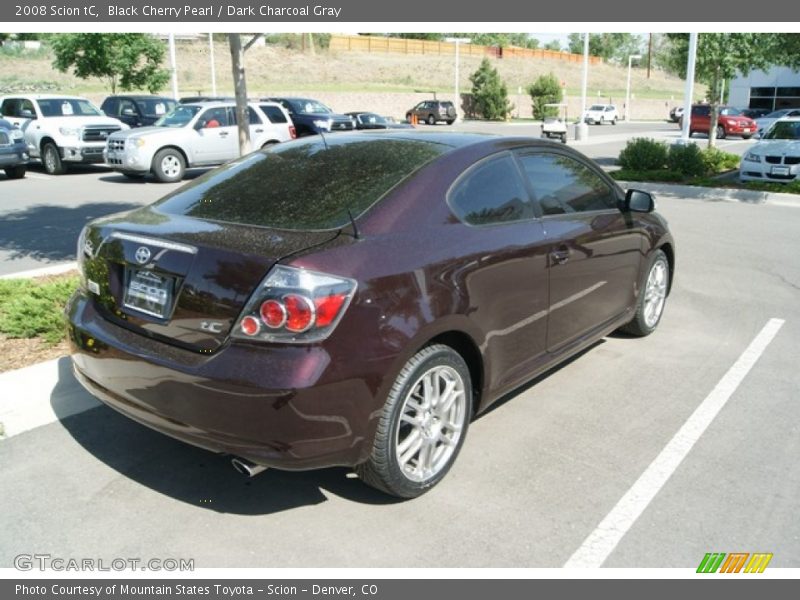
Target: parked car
<point>729,122</point>
<point>675,114</point>
<point>355,300</point>
<point>191,135</point>
<point>13,151</point>
<point>137,111</point>
<point>776,157</point>
<point>60,130</point>
<point>755,113</point>
<point>311,117</point>
<point>433,111</point>
<point>371,120</point>
<point>601,113</point>
<point>763,123</point>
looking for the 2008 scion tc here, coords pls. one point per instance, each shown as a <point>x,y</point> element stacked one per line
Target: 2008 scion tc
<point>356,300</point>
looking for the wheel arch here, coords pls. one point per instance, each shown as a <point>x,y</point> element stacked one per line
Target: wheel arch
<point>48,139</point>
<point>463,343</point>
<point>669,251</point>
<point>170,147</point>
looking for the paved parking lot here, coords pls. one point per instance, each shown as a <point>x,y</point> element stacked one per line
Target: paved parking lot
<point>538,473</point>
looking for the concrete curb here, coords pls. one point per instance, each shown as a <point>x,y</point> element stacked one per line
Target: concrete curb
<point>713,194</point>
<point>54,270</point>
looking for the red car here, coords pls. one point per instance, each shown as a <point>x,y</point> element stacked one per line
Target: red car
<point>730,121</point>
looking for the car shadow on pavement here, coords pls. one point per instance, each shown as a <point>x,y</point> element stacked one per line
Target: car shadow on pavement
<point>49,231</point>
<point>193,475</point>
<point>113,177</point>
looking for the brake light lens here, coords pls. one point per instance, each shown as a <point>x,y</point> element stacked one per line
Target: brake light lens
<point>292,132</point>
<point>295,305</point>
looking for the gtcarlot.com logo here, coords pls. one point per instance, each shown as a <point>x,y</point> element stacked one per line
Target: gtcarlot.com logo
<point>735,562</point>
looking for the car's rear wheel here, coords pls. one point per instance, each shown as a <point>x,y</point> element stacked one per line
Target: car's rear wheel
<point>451,121</point>
<point>15,172</point>
<point>422,425</point>
<point>746,136</point>
<point>614,121</point>
<point>169,165</point>
<point>720,132</point>
<point>431,120</point>
<point>652,297</point>
<point>51,159</point>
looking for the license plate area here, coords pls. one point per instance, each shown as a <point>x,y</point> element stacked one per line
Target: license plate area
<point>780,170</point>
<point>148,292</point>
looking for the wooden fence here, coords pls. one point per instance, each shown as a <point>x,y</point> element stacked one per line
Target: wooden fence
<point>369,43</point>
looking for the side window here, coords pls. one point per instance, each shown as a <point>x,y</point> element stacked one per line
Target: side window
<point>251,115</point>
<point>491,193</point>
<point>10,107</point>
<point>27,105</point>
<point>109,106</point>
<point>274,114</point>
<point>216,117</point>
<point>563,185</point>
<point>126,105</point>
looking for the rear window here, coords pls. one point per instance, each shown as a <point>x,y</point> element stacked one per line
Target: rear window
<point>274,114</point>
<point>303,185</point>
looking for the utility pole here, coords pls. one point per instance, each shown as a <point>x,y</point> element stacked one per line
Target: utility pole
<point>649,54</point>
<point>172,66</point>
<point>240,87</point>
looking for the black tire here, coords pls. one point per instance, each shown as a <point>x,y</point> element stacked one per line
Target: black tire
<point>563,138</point>
<point>169,165</point>
<point>51,159</point>
<point>642,324</point>
<point>16,172</point>
<point>746,136</point>
<point>451,121</point>
<point>720,132</point>
<point>382,470</point>
<point>614,121</point>
<point>132,174</point>
<point>408,117</point>
<point>431,120</point>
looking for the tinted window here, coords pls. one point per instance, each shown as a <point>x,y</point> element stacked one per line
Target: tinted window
<point>67,107</point>
<point>274,114</point>
<point>564,185</point>
<point>308,184</point>
<point>491,193</point>
<point>155,107</point>
<point>702,111</point>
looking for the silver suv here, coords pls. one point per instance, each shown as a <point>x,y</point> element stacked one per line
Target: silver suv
<point>199,134</point>
<point>433,111</point>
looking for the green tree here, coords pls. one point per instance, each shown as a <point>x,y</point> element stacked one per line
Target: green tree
<point>489,93</point>
<point>611,47</point>
<point>554,45</point>
<point>126,60</point>
<point>545,90</point>
<point>721,56</point>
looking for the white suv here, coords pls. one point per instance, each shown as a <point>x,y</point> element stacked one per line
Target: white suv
<point>60,129</point>
<point>198,134</point>
<point>601,113</point>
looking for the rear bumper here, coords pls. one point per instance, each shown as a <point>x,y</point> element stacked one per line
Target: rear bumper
<point>287,407</point>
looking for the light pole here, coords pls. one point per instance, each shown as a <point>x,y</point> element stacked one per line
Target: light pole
<point>457,99</point>
<point>213,67</point>
<point>581,128</point>
<point>689,90</point>
<point>631,58</point>
<point>173,66</point>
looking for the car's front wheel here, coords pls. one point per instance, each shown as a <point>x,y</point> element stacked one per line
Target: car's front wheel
<point>431,120</point>
<point>422,425</point>
<point>169,165</point>
<point>51,159</point>
<point>15,172</point>
<point>652,297</point>
<point>720,132</point>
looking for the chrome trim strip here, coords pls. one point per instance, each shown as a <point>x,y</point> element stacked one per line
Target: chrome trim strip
<point>140,239</point>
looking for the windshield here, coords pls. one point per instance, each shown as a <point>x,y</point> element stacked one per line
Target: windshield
<point>597,107</point>
<point>180,116</point>
<point>783,130</point>
<point>372,119</point>
<point>156,107</point>
<point>305,185</point>
<point>730,112</point>
<point>68,107</point>
<point>776,114</point>
<point>305,107</point>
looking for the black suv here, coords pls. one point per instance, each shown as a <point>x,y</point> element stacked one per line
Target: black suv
<point>137,111</point>
<point>433,111</point>
<point>311,117</point>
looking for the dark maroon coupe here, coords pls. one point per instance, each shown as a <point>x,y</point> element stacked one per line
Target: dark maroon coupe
<point>355,300</point>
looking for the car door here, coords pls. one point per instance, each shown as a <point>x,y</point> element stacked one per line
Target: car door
<point>595,250</point>
<point>259,130</point>
<point>21,112</point>
<point>217,140</point>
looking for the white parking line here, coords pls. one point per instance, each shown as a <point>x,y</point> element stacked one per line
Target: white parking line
<point>596,548</point>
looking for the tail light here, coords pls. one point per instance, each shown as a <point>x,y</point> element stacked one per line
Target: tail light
<point>295,306</point>
<point>292,131</point>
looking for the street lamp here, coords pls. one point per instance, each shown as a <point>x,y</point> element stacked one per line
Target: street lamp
<point>457,99</point>
<point>631,58</point>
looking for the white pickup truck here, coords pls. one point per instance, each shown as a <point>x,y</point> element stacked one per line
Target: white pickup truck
<point>60,130</point>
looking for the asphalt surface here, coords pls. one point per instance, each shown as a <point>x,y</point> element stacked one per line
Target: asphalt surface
<point>537,473</point>
<point>42,215</point>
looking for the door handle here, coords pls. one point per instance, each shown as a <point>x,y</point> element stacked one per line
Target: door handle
<point>259,130</point>
<point>560,255</point>
<point>223,134</point>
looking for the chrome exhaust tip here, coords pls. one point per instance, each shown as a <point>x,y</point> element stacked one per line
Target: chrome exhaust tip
<point>246,467</point>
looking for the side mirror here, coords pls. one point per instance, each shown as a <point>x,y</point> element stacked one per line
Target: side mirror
<point>639,201</point>
<point>27,114</point>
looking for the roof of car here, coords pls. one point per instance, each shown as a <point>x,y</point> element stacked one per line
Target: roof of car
<point>45,96</point>
<point>140,96</point>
